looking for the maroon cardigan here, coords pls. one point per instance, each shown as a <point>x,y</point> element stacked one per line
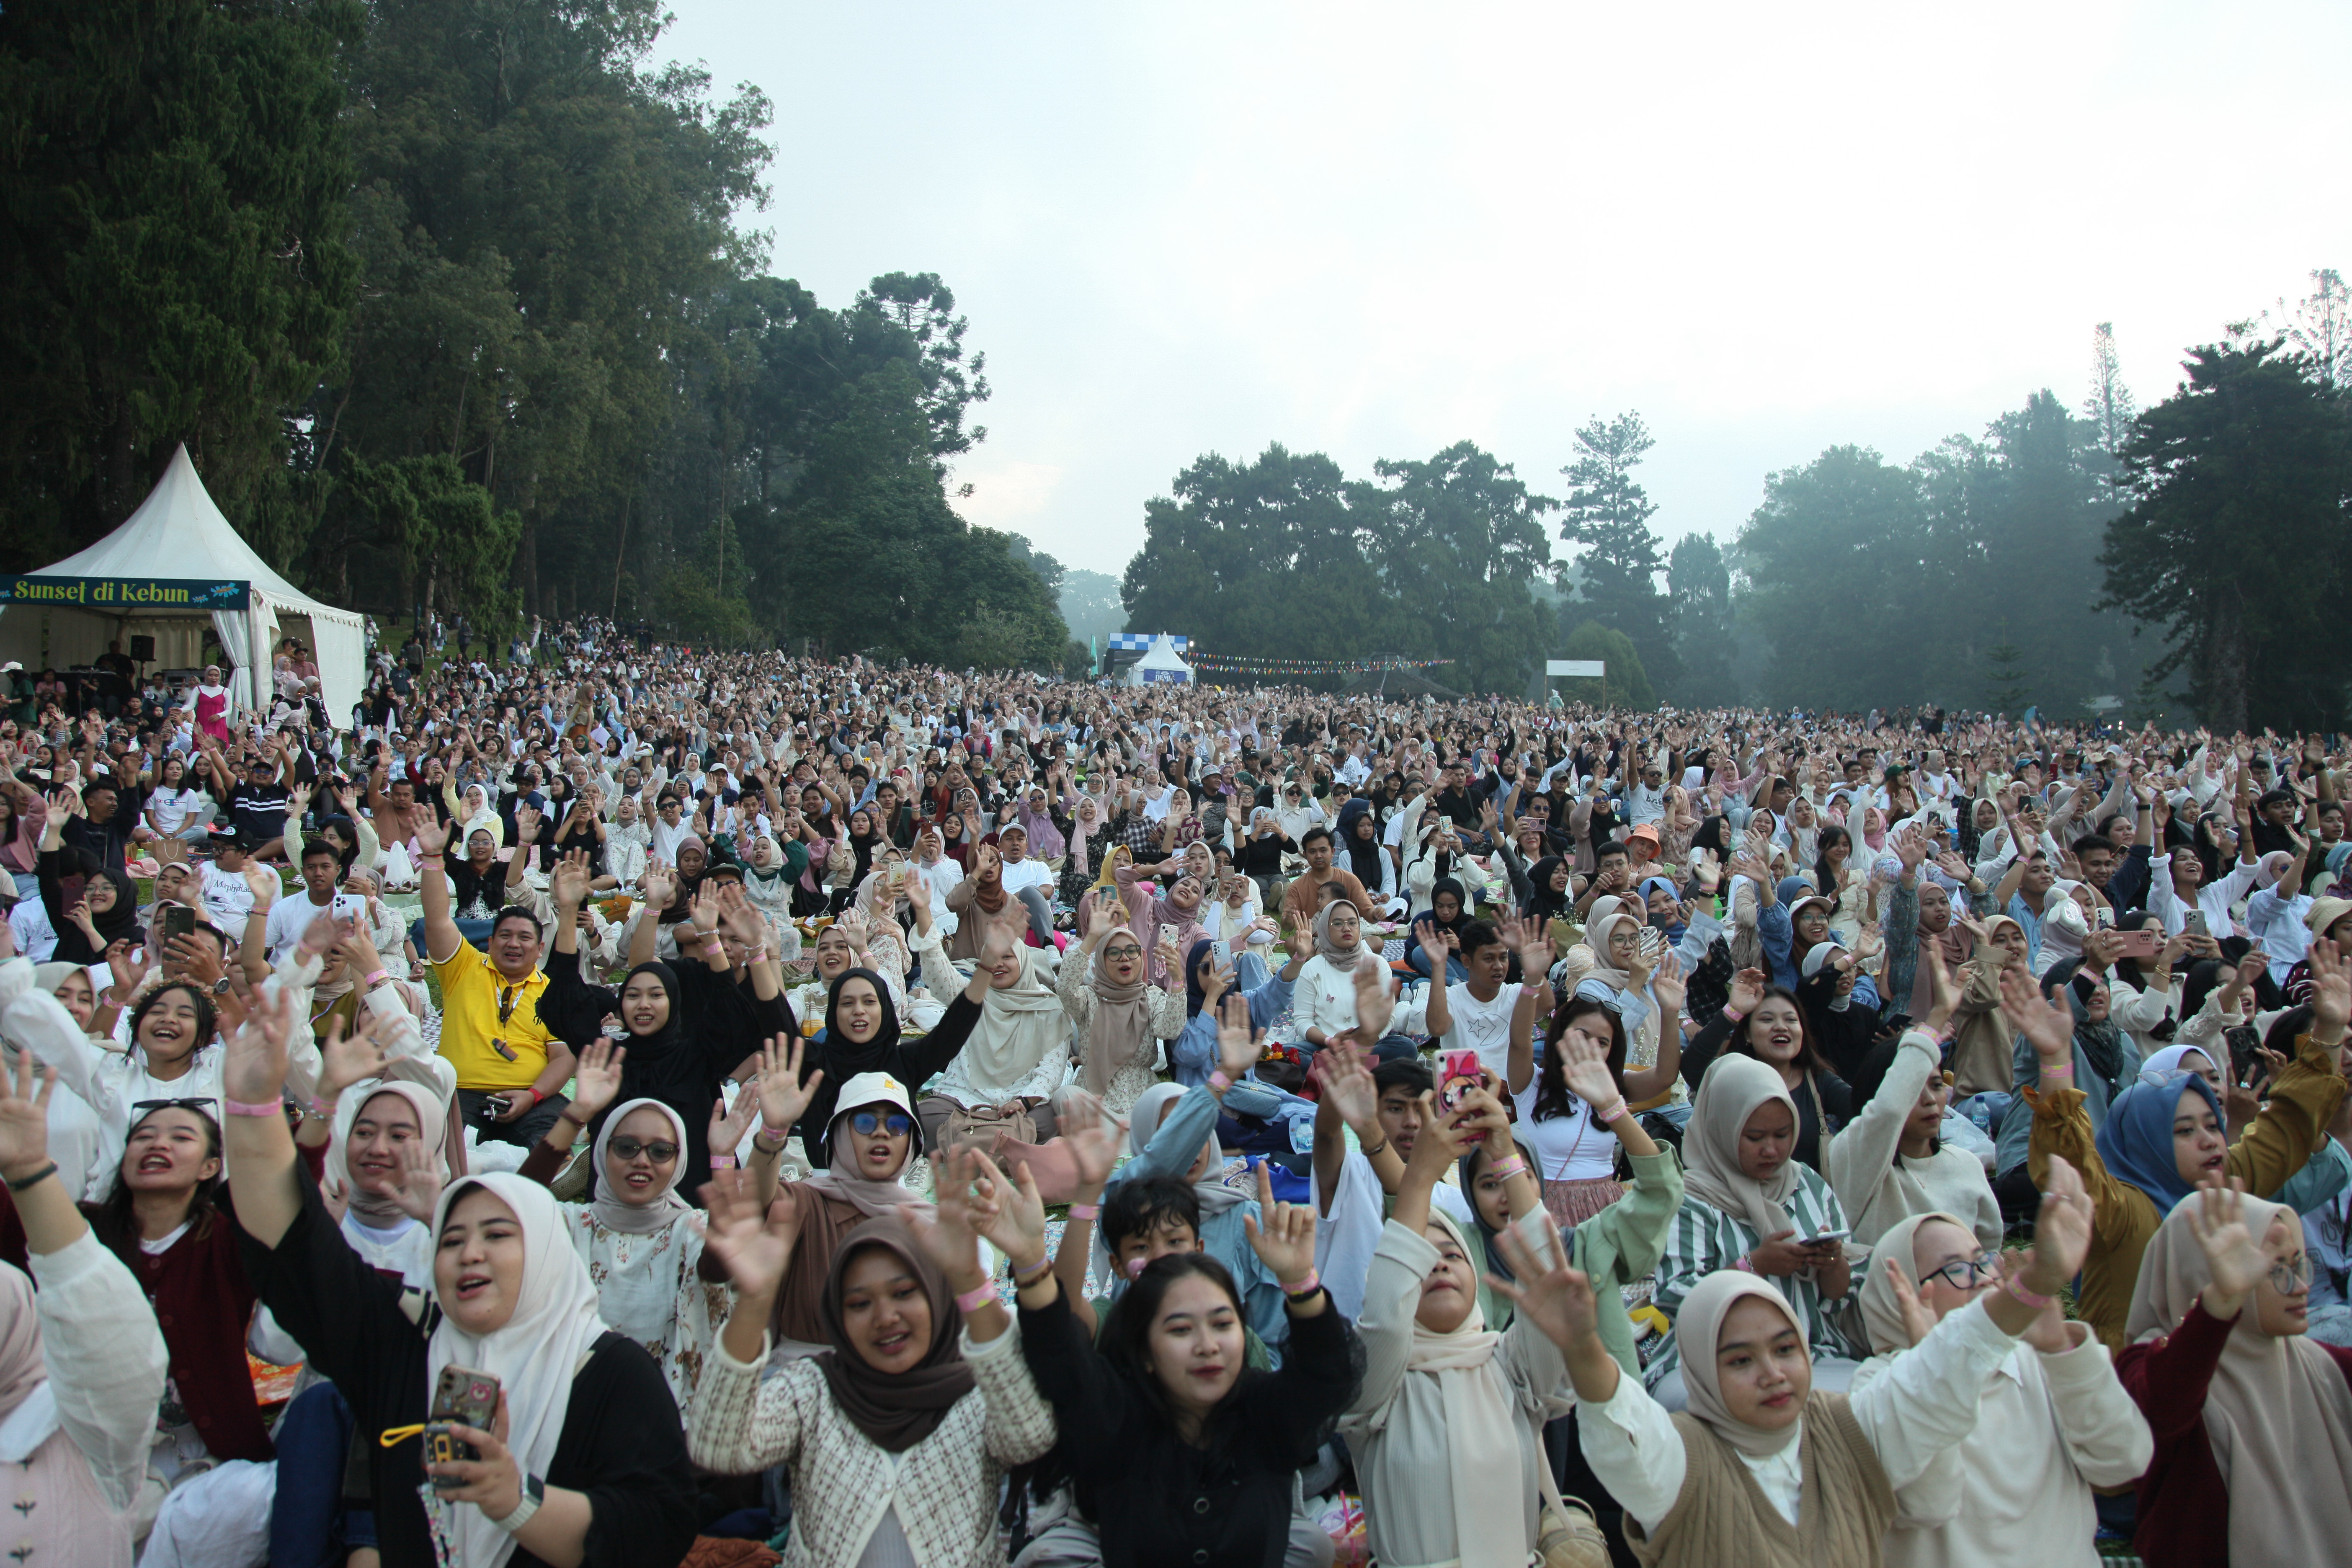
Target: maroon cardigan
<point>204,1306</point>
<point>2184,1504</point>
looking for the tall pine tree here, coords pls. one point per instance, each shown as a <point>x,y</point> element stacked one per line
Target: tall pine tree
<point>1609,513</point>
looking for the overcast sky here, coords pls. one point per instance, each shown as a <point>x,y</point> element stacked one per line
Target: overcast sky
<point>1374,230</point>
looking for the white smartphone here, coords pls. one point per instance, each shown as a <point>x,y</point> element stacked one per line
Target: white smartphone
<point>1825,1235</point>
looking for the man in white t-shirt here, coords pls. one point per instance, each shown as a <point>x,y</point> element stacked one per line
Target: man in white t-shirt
<point>1483,1006</point>
<point>228,898</point>
<point>322,871</point>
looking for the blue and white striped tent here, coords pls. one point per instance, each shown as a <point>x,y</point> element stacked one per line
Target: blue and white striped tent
<point>1140,642</point>
<point>1160,664</point>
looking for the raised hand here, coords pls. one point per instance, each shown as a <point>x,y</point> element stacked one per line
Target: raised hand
<point>2062,1233</point>
<point>1917,1320</point>
<point>1283,1237</point>
<point>346,1059</point>
<point>596,1082</point>
<point>1238,1045</point>
<point>704,908</point>
<point>415,1186</point>
<point>1093,1137</point>
<point>967,1202</point>
<point>1347,1084</point>
<point>1584,1063</point>
<point>1545,1292</point>
<point>1668,986</point>
<point>1015,1218</point>
<point>728,1123</point>
<point>1375,1003</point>
<point>2049,1025</point>
<point>253,1068</point>
<point>24,1090</point>
<point>754,1247</point>
<point>2331,990</point>
<point>2233,1254</point>
<point>425,825</point>
<point>784,1098</point>
<point>569,882</point>
<point>1748,989</point>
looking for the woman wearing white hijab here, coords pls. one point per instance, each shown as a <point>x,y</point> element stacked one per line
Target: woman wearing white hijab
<point>641,1241</point>
<point>1018,1055</point>
<point>585,1459</point>
<point>2252,1417</point>
<point>1444,1426</point>
<point>2054,1424</point>
<point>1763,1467</point>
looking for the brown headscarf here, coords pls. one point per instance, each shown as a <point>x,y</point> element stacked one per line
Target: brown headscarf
<point>2278,1412</point>
<point>1121,1030</point>
<point>896,1410</point>
<point>1955,943</point>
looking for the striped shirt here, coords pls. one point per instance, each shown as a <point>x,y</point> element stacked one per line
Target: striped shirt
<point>1704,1239</point>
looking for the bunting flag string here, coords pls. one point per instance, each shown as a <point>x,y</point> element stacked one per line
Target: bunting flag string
<point>1229,664</point>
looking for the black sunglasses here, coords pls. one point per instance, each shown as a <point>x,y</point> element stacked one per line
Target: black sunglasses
<point>630,1148</point>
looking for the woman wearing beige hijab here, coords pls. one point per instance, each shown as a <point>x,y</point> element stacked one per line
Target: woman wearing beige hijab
<point>1122,1017</point>
<point>1748,1205</point>
<point>2253,1419</point>
<point>1764,1468</point>
<point>2054,1424</point>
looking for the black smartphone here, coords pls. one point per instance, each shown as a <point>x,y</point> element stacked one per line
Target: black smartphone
<point>179,919</point>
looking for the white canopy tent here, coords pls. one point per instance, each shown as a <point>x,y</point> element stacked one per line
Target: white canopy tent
<point>174,562</point>
<point>1160,664</point>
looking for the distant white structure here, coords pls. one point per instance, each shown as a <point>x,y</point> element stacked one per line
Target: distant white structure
<point>1160,664</point>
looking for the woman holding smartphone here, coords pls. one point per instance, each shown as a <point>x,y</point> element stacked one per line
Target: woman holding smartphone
<point>585,1457</point>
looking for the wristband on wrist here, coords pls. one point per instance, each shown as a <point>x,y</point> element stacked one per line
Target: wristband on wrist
<point>1086,1211</point>
<point>781,1135</point>
<point>253,1108</point>
<point>2058,1070</point>
<point>1733,1014</point>
<point>1023,1279</point>
<point>1307,1290</point>
<point>978,1296</point>
<point>533,1491</point>
<point>1744,1263</point>
<point>1514,1166</point>
<point>374,979</point>
<point>18,1184</point>
<point>2028,1297</point>
<point>1604,1114</point>
<point>722,1162</point>
<point>1375,1149</point>
<point>1218,1080</point>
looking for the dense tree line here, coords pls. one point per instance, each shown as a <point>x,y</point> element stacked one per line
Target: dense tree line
<point>450,301</point>
<point>2179,561</point>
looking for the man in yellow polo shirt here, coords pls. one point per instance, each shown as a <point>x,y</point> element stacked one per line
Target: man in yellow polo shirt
<point>510,1067</point>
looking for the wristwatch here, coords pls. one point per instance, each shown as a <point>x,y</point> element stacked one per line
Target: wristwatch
<point>221,987</point>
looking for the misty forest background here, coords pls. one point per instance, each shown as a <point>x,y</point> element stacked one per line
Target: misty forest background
<point>466,304</point>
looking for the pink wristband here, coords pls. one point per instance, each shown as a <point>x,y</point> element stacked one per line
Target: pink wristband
<point>1509,1168</point>
<point>1604,1114</point>
<point>1304,1289</point>
<point>973,1299</point>
<point>1743,1264</point>
<point>722,1162</point>
<point>375,979</point>
<point>2037,1302</point>
<point>1218,1080</point>
<point>1086,1211</point>
<point>1733,1015</point>
<point>253,1108</point>
<point>2067,1071</point>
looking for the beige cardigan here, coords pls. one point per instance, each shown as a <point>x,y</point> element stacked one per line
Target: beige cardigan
<point>945,1488</point>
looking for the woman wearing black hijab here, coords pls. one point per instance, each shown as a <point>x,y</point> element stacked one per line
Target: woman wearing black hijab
<point>861,1035</point>
<point>685,1031</point>
<point>107,898</point>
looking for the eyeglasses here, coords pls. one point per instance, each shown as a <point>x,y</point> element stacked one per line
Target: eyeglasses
<point>2292,1276</point>
<point>627,1149</point>
<point>865,1123</point>
<point>1964,1273</point>
<point>1122,952</point>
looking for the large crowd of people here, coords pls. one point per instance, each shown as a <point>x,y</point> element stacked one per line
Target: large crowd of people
<point>601,1102</point>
